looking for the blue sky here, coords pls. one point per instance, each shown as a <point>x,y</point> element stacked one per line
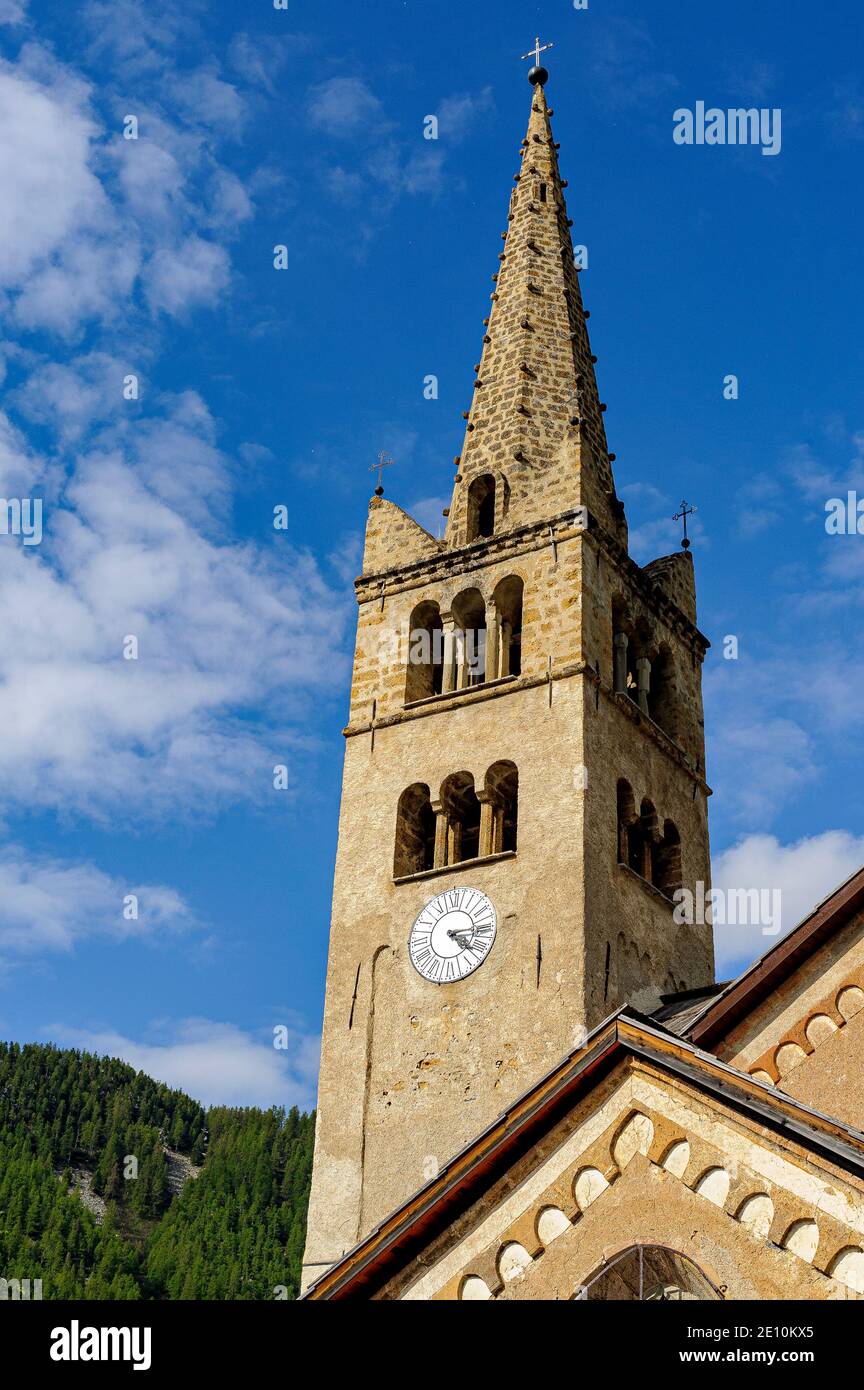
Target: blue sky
<point>258,388</point>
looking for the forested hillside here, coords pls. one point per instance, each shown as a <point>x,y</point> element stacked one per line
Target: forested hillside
<point>90,1153</point>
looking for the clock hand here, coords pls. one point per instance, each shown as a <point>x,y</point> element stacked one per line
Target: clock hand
<point>460,937</point>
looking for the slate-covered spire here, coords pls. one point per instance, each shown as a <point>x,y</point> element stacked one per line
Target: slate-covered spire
<point>535,422</point>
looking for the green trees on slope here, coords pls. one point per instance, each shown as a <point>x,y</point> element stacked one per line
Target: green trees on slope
<point>235,1232</point>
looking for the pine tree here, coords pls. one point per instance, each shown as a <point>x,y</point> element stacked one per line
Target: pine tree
<point>235,1232</point>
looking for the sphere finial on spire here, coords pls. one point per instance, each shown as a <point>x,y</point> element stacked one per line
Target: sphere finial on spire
<point>538,76</point>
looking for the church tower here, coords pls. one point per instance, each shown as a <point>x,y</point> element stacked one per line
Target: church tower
<point>524,783</point>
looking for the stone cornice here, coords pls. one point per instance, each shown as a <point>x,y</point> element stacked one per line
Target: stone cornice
<point>472,695</point>
<point>538,535</point>
<point>509,685</point>
<point>479,554</point>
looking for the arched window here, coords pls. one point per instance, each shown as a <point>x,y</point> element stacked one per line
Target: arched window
<point>649,837</point>
<point>662,694</point>
<point>667,866</point>
<point>415,832</point>
<point>481,507</point>
<point>500,811</point>
<point>621,645</point>
<point>649,1274</point>
<point>462,809</point>
<point>425,653</point>
<point>632,645</point>
<point>469,612</point>
<point>507,658</point>
<point>629,846</point>
<point>654,857</point>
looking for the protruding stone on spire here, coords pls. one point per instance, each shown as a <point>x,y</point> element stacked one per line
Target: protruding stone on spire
<point>536,420</point>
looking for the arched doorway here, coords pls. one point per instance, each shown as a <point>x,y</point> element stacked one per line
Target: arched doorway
<point>649,1274</point>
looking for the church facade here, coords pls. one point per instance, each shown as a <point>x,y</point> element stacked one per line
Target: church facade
<point>531,1086</point>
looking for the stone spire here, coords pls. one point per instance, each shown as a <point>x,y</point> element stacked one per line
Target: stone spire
<point>536,421</point>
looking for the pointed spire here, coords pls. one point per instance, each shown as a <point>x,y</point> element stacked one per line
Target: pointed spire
<point>536,419</point>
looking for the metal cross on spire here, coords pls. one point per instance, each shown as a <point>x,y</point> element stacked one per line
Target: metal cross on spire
<point>682,516</point>
<point>536,51</point>
<point>383,462</point>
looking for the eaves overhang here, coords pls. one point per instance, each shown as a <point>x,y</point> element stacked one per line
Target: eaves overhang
<point>403,1234</point>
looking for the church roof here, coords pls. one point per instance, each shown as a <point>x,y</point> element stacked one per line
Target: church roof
<point>678,1011</point>
<point>392,1244</point>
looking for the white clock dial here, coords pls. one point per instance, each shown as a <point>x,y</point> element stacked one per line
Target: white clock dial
<point>453,935</point>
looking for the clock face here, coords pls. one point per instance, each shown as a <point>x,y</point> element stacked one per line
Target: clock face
<point>453,935</point>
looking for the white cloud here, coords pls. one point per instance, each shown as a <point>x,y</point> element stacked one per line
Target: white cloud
<point>390,166</point>
<point>151,178</point>
<point>457,114</point>
<point>49,905</point>
<point>138,42</point>
<point>344,105</point>
<point>13,11</point>
<point>777,720</point>
<point>209,101</point>
<point>422,172</point>
<point>95,227</point>
<point>49,190</point>
<point>190,273</point>
<point>216,1063</point>
<point>805,871</point>
<point>90,279</point>
<point>18,467</point>
<point>233,639</point>
<point>69,397</point>
<point>259,61</point>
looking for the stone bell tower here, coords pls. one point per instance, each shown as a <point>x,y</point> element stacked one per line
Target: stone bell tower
<point>525,732</point>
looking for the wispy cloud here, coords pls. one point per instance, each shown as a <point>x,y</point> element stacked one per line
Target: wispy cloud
<point>13,11</point>
<point>625,68</point>
<point>217,1063</point>
<point>387,162</point>
<point>225,634</point>
<point>112,237</point>
<point>459,115</point>
<point>845,115</point>
<point>104,229</point>
<point>48,904</point>
<point>343,105</point>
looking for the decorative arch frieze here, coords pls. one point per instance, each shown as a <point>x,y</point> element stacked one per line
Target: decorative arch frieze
<point>771,1215</point>
<point>821,1021</point>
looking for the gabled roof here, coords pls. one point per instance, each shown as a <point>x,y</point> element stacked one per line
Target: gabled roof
<point>739,998</point>
<point>517,1130</point>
